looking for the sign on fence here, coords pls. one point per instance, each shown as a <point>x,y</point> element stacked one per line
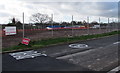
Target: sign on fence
<point>10,30</point>
<point>25,41</point>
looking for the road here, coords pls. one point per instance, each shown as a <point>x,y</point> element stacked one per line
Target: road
<point>101,55</point>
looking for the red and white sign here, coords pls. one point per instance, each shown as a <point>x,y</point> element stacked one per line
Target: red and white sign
<point>25,41</point>
<point>11,30</point>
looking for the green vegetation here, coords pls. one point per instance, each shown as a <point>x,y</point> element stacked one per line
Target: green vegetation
<point>54,41</point>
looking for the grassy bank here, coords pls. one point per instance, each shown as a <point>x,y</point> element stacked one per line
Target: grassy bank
<point>52,41</point>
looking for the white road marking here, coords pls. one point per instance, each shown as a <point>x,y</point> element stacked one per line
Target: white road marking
<point>75,54</point>
<point>26,54</point>
<point>84,52</point>
<point>114,70</point>
<point>116,43</point>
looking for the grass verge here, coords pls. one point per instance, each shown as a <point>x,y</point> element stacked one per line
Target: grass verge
<point>51,41</point>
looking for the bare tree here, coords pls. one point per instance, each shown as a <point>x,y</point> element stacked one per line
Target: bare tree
<point>40,18</point>
<point>13,20</point>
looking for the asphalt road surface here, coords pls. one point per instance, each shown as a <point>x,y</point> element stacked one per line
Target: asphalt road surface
<point>101,55</point>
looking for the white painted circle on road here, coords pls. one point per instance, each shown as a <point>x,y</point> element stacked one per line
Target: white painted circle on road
<point>78,46</point>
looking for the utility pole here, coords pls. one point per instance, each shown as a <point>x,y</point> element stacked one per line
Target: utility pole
<point>23,26</point>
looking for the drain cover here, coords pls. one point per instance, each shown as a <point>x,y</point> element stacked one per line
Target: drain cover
<point>78,46</point>
<point>26,54</point>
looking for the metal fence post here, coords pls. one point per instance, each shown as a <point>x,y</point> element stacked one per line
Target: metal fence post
<point>23,26</point>
<point>108,26</point>
<point>99,26</point>
<point>72,25</point>
<point>88,25</point>
<point>52,23</point>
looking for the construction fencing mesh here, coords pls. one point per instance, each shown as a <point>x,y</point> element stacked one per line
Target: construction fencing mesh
<point>39,33</point>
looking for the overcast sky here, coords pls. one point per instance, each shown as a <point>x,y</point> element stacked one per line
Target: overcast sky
<point>61,9</point>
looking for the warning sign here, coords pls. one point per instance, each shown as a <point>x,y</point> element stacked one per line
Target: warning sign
<point>25,41</point>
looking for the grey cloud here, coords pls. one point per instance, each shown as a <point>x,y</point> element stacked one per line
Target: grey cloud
<point>107,5</point>
<point>4,14</point>
<point>109,9</point>
<point>29,6</point>
<point>71,0</point>
<point>2,7</point>
<point>112,13</point>
<point>105,8</point>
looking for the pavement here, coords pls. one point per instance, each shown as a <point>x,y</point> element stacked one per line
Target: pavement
<point>102,55</point>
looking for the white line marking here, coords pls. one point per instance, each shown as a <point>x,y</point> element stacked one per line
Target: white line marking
<point>84,52</point>
<point>75,54</point>
<point>116,43</point>
<point>114,70</point>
